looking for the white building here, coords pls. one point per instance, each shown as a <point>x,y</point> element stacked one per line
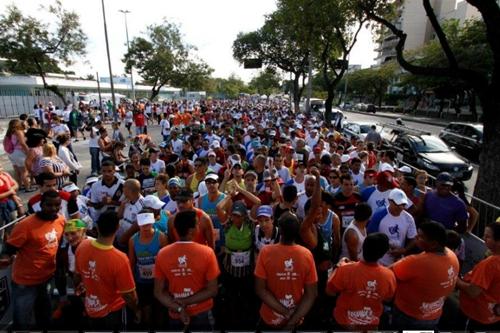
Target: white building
<point>413,20</point>
<point>19,93</point>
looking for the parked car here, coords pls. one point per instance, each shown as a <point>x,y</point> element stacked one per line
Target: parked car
<point>466,138</point>
<point>360,107</point>
<point>371,108</point>
<point>430,153</point>
<point>359,129</point>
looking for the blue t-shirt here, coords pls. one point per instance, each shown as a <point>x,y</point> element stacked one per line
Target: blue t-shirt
<point>445,210</point>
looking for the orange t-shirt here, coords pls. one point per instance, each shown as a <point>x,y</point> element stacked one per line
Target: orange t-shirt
<point>37,241</point>
<point>286,269</point>
<point>188,267</point>
<point>106,275</point>
<point>362,287</point>
<point>424,282</point>
<point>486,275</point>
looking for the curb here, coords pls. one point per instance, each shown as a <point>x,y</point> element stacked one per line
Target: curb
<point>437,122</point>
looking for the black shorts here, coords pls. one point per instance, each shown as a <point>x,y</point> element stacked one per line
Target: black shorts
<point>145,293</point>
<point>128,126</point>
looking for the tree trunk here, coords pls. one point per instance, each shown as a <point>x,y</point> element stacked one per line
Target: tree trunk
<point>154,93</point>
<point>329,105</point>
<point>296,93</point>
<point>50,87</point>
<point>472,104</point>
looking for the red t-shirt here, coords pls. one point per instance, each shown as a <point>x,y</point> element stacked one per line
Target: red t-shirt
<point>486,275</point>
<point>37,241</point>
<point>139,119</point>
<point>106,275</point>
<point>424,282</point>
<point>286,269</point>
<point>187,267</point>
<point>362,287</point>
<point>6,183</point>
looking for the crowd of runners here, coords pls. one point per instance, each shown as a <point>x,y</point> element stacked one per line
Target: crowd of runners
<point>239,215</point>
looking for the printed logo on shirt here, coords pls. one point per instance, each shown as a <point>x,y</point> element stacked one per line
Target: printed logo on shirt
<point>289,265</point>
<point>380,203</point>
<point>452,278</point>
<point>185,293</point>
<point>51,238</point>
<point>394,230</point>
<point>182,261</point>
<point>428,309</point>
<point>93,304</point>
<point>91,274</point>
<point>361,317</point>
<point>370,290</point>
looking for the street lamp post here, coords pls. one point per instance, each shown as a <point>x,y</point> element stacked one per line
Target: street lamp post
<point>109,63</point>
<point>125,12</point>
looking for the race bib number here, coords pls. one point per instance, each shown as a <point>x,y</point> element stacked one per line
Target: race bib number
<point>240,259</point>
<point>300,157</point>
<point>346,220</point>
<point>146,271</point>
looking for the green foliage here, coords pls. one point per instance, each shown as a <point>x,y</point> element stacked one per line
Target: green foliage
<point>162,57</point>
<point>372,81</point>
<point>34,47</point>
<point>266,82</point>
<point>227,88</point>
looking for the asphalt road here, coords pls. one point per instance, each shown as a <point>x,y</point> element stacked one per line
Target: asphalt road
<point>434,129</point>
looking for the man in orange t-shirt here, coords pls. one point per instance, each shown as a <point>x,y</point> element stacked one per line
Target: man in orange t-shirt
<point>105,274</point>
<point>480,288</point>
<point>286,279</point>
<point>424,280</point>
<point>186,277</point>
<point>34,241</point>
<point>363,286</point>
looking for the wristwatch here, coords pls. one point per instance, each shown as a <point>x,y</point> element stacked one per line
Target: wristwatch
<point>179,309</point>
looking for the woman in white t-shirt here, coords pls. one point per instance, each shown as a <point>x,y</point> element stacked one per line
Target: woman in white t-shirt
<point>165,127</point>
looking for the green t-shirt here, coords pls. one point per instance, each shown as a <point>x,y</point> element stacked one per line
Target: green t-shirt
<point>238,239</point>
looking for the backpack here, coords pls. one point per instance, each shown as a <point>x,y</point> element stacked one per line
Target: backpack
<point>8,146</point>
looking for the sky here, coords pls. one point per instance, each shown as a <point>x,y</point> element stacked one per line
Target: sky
<point>210,25</point>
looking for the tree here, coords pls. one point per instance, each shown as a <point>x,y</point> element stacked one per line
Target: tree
<point>193,76</point>
<point>278,45</point>
<point>161,57</point>
<point>373,82</point>
<point>470,46</point>
<point>266,83</point>
<point>486,85</point>
<point>230,87</point>
<point>33,47</point>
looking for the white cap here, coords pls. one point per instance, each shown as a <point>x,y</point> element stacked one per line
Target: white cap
<point>386,167</point>
<point>345,158</point>
<point>405,169</point>
<point>70,188</point>
<point>212,176</point>
<point>211,153</point>
<point>272,132</point>
<point>145,218</point>
<point>398,196</point>
<point>215,145</point>
<point>152,201</point>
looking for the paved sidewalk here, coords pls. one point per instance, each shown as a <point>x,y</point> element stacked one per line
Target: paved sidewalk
<point>407,117</point>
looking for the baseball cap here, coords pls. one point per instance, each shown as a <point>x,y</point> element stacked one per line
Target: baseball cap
<point>250,173</point>
<point>145,219</point>
<point>444,178</point>
<point>70,187</point>
<point>211,153</point>
<point>405,169</point>
<point>174,182</point>
<point>398,196</point>
<point>74,225</point>
<point>386,167</point>
<point>345,158</point>
<point>267,175</point>
<point>152,201</point>
<point>215,145</point>
<point>234,160</point>
<point>184,194</point>
<point>163,144</point>
<point>239,208</point>
<point>91,180</point>
<point>387,179</point>
<point>153,150</point>
<point>265,210</point>
<point>212,176</point>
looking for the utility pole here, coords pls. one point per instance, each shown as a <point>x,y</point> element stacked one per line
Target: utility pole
<point>125,12</point>
<point>109,63</point>
<point>309,85</point>
<point>99,91</point>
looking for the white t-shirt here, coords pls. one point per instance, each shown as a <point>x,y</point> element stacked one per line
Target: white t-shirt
<point>177,146</point>
<point>359,178</point>
<point>59,129</point>
<point>378,199</point>
<point>165,127</point>
<point>398,229</point>
<point>158,166</point>
<point>94,141</point>
<point>301,202</point>
<point>130,215</point>
<point>129,117</point>
<point>361,238</point>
